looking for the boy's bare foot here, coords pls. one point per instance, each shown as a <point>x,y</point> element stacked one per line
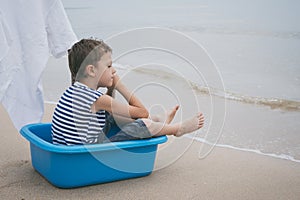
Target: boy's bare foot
<point>169,116</point>
<point>191,125</point>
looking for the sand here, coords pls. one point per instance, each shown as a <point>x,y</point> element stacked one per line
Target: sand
<point>223,174</point>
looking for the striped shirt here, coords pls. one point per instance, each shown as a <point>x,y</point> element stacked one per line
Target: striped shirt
<point>73,121</point>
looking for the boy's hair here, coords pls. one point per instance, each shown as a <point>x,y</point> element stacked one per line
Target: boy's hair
<point>83,53</point>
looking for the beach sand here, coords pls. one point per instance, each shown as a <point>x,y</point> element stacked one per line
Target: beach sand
<point>223,174</point>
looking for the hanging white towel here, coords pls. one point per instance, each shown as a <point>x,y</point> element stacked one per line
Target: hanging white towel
<point>5,40</point>
<point>32,30</point>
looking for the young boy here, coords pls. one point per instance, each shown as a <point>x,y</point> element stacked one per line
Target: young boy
<point>80,115</point>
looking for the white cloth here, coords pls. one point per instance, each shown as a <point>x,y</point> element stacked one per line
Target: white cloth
<point>5,40</point>
<point>30,30</point>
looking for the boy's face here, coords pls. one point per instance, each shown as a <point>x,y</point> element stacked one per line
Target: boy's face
<point>105,71</point>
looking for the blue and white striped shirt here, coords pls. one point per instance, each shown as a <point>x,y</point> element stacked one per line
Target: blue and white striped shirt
<point>73,121</point>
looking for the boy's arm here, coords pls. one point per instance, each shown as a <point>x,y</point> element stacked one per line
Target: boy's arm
<point>111,105</point>
<point>134,110</point>
<point>130,97</point>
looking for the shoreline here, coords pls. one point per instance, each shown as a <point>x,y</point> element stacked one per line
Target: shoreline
<point>255,151</point>
<point>223,174</point>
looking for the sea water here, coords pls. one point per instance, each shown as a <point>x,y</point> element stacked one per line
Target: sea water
<point>251,69</point>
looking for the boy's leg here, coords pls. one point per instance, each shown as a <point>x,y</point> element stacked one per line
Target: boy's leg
<point>121,121</point>
<point>168,118</point>
<point>132,131</point>
<point>177,129</point>
<point>137,129</point>
<point>146,128</point>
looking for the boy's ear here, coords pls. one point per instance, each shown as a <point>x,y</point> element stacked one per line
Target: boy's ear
<point>90,70</point>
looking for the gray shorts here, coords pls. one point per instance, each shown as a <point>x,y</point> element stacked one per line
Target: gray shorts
<point>131,131</point>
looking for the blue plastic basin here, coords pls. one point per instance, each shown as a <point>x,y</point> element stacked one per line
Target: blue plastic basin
<point>81,165</point>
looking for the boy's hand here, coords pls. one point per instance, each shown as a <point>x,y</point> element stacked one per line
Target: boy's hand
<point>116,79</point>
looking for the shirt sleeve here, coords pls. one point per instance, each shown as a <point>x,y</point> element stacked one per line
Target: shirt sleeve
<point>59,31</point>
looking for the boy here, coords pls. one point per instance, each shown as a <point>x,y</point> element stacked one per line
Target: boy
<point>80,116</point>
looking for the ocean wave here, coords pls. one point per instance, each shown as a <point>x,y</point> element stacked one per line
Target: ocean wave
<point>231,31</point>
<point>273,155</point>
<point>273,103</point>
